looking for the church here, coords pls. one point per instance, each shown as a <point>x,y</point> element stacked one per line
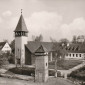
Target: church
<point>24,50</point>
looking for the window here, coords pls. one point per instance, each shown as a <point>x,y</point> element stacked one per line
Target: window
<point>73,55</point>
<point>76,55</point>
<point>80,55</point>
<point>70,55</point>
<point>66,54</point>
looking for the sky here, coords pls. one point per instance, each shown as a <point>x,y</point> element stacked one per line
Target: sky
<point>55,19</point>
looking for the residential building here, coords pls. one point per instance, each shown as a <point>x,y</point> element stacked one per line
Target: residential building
<point>5,47</point>
<point>75,51</point>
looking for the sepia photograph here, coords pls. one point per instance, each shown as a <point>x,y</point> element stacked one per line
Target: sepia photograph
<point>42,42</point>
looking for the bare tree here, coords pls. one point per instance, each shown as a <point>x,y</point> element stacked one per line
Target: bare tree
<point>52,39</point>
<point>37,38</point>
<point>59,54</point>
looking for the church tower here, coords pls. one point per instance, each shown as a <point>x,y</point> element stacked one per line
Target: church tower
<point>21,34</point>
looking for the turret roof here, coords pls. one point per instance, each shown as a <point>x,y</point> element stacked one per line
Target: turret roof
<point>21,26</point>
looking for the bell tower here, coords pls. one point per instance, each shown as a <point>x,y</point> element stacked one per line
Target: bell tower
<point>21,34</point>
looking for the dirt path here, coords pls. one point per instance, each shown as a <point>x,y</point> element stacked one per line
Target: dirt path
<point>51,81</point>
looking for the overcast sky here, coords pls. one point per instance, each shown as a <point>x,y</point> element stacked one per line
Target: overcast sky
<point>51,18</point>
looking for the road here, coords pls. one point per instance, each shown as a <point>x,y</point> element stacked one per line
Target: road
<point>51,81</point>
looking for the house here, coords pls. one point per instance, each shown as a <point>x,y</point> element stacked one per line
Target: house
<point>75,51</point>
<point>4,47</point>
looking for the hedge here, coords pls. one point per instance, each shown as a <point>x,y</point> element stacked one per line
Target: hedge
<point>23,71</point>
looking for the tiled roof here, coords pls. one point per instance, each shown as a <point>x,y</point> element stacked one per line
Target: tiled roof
<point>21,26</point>
<point>33,46</point>
<point>2,44</point>
<point>76,48</point>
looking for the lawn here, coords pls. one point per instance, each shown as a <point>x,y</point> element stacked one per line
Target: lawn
<point>65,64</point>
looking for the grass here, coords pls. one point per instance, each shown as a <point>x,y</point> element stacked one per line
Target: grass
<point>64,64</point>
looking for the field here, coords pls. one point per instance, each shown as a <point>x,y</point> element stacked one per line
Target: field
<point>65,64</point>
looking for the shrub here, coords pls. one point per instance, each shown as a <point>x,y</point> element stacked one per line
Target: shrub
<point>51,73</point>
<point>11,59</point>
<point>23,71</point>
<point>3,60</point>
<point>78,74</point>
<point>58,74</point>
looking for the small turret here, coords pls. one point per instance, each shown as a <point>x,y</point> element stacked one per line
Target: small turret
<point>41,64</point>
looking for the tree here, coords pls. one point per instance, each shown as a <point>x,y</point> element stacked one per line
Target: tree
<point>4,59</point>
<point>64,41</point>
<point>13,46</point>
<point>74,40</point>
<point>52,39</point>
<point>80,38</point>
<point>37,38</point>
<point>59,54</point>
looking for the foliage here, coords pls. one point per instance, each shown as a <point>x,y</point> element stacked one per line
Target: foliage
<point>59,50</point>
<point>37,38</point>
<point>78,74</point>
<point>52,73</point>
<point>3,59</point>
<point>52,39</point>
<point>11,58</point>
<point>64,41</point>
<point>59,53</point>
<point>23,70</point>
<point>13,46</point>
<point>6,58</point>
<point>78,39</point>
<point>74,40</point>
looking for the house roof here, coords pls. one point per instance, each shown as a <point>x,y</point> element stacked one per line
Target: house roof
<point>21,26</point>
<point>72,48</point>
<point>33,46</point>
<point>41,49</point>
<point>2,44</point>
<point>76,48</point>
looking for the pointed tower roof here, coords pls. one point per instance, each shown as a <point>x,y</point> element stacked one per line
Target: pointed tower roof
<point>41,49</point>
<point>21,26</point>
